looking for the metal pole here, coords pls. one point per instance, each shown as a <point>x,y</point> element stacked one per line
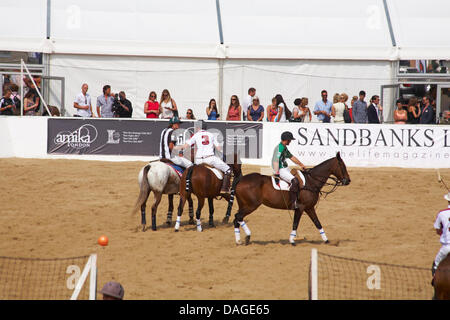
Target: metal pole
<point>220,98</point>
<point>21,87</point>
<point>219,21</point>
<point>314,276</point>
<point>388,18</point>
<point>48,17</point>
<point>22,64</point>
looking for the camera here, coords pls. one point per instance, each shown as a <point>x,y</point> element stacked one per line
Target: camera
<point>116,104</point>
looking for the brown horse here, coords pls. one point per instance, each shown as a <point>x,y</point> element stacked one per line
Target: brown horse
<point>255,189</point>
<point>205,185</point>
<point>441,280</point>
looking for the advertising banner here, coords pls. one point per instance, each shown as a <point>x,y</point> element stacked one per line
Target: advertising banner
<point>364,145</point>
<point>142,137</point>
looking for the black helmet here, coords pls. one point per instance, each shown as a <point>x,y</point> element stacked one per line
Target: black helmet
<point>287,136</point>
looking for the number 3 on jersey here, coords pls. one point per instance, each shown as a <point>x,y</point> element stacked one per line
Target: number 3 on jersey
<point>205,140</point>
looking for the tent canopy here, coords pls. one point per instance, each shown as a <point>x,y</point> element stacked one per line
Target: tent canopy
<point>265,29</point>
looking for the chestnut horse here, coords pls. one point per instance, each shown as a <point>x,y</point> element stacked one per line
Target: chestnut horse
<point>204,184</point>
<point>441,282</point>
<point>255,189</point>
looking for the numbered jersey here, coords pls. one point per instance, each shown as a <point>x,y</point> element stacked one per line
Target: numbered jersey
<point>443,222</point>
<point>205,143</point>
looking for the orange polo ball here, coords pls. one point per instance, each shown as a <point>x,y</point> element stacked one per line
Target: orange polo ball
<point>103,240</point>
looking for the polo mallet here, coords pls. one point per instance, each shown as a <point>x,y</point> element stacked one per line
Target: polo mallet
<point>442,180</point>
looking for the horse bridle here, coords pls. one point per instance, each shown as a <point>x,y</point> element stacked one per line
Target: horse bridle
<point>324,181</point>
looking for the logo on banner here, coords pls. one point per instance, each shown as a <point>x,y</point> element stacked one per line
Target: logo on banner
<point>113,137</point>
<point>78,139</point>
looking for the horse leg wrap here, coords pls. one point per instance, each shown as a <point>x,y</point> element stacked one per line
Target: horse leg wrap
<point>143,220</point>
<point>153,222</point>
<point>191,212</point>
<point>245,227</point>
<point>292,236</point>
<point>237,234</point>
<point>199,225</point>
<point>169,216</point>
<point>177,224</point>
<point>323,235</point>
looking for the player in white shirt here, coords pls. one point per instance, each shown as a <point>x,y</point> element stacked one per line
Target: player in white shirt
<point>442,226</point>
<point>83,102</point>
<point>205,142</point>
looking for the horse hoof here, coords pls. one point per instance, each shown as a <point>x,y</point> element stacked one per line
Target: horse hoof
<point>191,221</point>
<point>212,225</point>
<point>225,220</point>
<point>154,228</point>
<point>143,228</point>
<point>238,243</point>
<point>176,230</point>
<point>247,240</point>
<point>327,242</point>
<point>168,223</point>
<point>293,244</point>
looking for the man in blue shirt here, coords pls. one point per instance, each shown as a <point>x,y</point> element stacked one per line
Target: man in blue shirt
<point>360,109</point>
<point>322,109</point>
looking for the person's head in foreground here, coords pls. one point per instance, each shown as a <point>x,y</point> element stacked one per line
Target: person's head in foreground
<point>112,291</point>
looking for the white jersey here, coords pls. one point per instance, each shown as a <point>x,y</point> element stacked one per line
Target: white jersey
<point>205,143</point>
<point>443,222</point>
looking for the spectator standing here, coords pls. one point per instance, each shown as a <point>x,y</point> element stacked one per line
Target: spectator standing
<point>112,291</point>
<point>124,107</point>
<point>7,105</point>
<point>305,109</point>
<point>105,103</point>
<point>427,114</point>
<point>16,97</point>
<point>273,111</point>
<point>190,115</point>
<point>248,102</point>
<point>413,111</point>
<point>322,109</point>
<point>336,98</point>
<point>29,105</point>
<point>211,110</point>
<point>400,115</point>
<point>82,103</point>
<point>152,108</point>
<point>337,110</point>
<point>360,109</point>
<point>285,114</point>
<point>256,110</point>
<point>297,114</point>
<point>234,110</point>
<point>373,109</point>
<point>168,105</point>
<point>350,109</point>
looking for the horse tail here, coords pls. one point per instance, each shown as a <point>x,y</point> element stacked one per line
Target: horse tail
<point>144,189</point>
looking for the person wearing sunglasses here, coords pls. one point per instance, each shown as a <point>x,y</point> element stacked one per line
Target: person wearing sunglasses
<point>168,105</point>
<point>234,110</point>
<point>190,115</point>
<point>152,108</point>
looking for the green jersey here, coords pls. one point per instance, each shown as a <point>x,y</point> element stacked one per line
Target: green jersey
<point>280,154</point>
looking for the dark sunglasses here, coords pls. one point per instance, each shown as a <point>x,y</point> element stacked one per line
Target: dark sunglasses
<point>152,96</point>
<point>188,112</point>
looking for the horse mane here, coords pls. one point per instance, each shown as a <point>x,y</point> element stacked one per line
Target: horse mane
<point>322,164</point>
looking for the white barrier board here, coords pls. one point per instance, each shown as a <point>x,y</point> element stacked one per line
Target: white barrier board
<point>364,145</point>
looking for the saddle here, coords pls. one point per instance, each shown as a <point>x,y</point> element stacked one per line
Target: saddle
<point>217,172</point>
<point>283,185</point>
<point>179,170</point>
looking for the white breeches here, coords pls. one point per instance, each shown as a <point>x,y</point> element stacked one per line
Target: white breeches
<point>181,161</point>
<point>286,175</point>
<point>443,252</point>
<point>215,162</point>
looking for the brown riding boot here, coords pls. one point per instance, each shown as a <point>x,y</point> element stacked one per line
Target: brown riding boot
<point>293,193</point>
<point>226,183</point>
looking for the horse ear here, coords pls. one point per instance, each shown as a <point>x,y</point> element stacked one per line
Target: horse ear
<point>338,156</point>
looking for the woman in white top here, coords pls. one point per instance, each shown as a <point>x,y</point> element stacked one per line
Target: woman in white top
<point>168,105</point>
<point>285,112</point>
<point>337,110</point>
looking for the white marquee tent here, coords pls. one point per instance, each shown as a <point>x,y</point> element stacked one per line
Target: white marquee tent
<point>206,49</point>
